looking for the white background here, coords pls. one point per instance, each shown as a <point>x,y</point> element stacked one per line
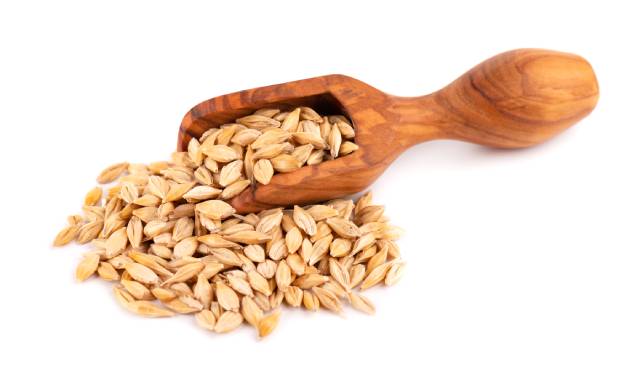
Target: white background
<point>523,266</point>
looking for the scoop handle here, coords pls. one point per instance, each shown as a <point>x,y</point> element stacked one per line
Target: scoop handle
<point>515,99</point>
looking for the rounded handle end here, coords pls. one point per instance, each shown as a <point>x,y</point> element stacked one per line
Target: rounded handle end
<point>519,98</point>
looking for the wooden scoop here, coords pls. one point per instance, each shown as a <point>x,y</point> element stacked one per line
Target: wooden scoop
<point>513,100</point>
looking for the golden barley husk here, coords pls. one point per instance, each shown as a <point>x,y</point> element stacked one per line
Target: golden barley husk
<point>112,172</point>
<point>268,222</point>
<point>343,227</point>
<point>206,319</point>
<point>356,275</point>
<point>155,263</point>
<point>136,289</point>
<point>309,138</point>
<point>293,296</point>
<point>263,171</point>
<point>228,321</point>
<point>251,312</point>
<point>248,237</point>
<point>215,209</point>
<point>185,247</point>
<point>255,253</point>
<point>316,157</point>
<point>259,283</point>
<point>363,242</point>
<point>346,129</point>
<point>327,299</point>
<point>293,240</point>
<point>290,123</point>
<point>321,212</point>
<point>334,287</point>
<point>148,309</point>
<point>220,153</point>
<point>375,276</point>
<point>276,300</point>
<point>302,153</point>
<point>283,275</point>
<point>278,249</point>
<point>216,241</point>
<point>361,303</point>
<point>107,272</point>
<point>178,190</point>
<point>310,301</point>
<point>296,263</point>
<point>230,173</point>
<point>191,302</point>
<point>304,221</point>
<point>203,291</point>
<point>87,267</point>
<point>117,242</point>
<point>335,141</point>
<point>185,273</point>
<point>310,126</point>
<point>310,280</point>
<point>285,163</point>
<point>394,274</point>
<point>122,296</point>
<point>163,294</point>
<point>347,147</point>
<point>66,235</point>
<point>307,113</point>
<point>339,247</point>
<point>128,192</point>
<point>258,121</point>
<point>273,136</point>
<point>75,220</point>
<point>135,231</point>
<point>179,305</point>
<point>320,249</point>
<point>246,137</point>
<point>227,297</point>
<point>339,273</point>
<point>267,269</point>
<point>234,189</point>
<point>142,273</point>
<point>268,323</point>
<point>226,256</point>
<point>377,259</point>
<point>93,196</point>
<point>120,261</point>
<point>240,285</point>
<point>322,230</point>
<point>202,192</point>
<point>89,231</point>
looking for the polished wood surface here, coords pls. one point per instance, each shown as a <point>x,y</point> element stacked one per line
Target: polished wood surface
<point>513,100</point>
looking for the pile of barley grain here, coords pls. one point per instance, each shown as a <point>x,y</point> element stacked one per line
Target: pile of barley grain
<point>173,245</point>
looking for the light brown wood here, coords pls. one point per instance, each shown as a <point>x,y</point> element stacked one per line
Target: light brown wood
<point>516,99</point>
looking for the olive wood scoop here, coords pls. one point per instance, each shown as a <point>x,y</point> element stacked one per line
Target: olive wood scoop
<point>513,100</point>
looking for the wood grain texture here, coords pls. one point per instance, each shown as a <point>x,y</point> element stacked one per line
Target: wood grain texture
<point>513,100</point>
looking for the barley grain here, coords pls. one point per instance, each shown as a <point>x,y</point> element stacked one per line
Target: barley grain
<point>166,231</point>
<point>268,323</point>
<point>87,267</point>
